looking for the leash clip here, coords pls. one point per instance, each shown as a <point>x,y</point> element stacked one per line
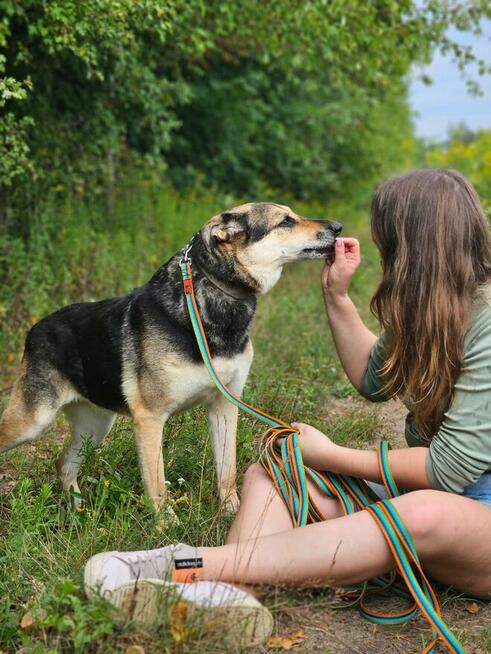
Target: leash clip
<point>186,250</point>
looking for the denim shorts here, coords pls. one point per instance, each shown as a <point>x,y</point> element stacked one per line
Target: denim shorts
<point>480,490</point>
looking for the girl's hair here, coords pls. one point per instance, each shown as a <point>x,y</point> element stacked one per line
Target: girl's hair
<point>433,237</point>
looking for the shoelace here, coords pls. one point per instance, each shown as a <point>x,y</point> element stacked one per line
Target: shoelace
<point>145,564</point>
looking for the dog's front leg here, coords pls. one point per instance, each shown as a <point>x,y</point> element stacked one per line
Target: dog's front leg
<point>148,433</point>
<point>222,421</point>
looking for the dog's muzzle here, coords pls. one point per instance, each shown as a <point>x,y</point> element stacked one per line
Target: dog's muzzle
<point>324,249</point>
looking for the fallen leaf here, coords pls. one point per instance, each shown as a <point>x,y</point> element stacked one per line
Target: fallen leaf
<point>134,649</point>
<point>26,621</point>
<point>178,615</point>
<point>10,357</point>
<point>286,642</point>
<point>472,607</point>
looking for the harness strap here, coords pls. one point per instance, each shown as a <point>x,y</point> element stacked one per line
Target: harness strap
<point>281,457</point>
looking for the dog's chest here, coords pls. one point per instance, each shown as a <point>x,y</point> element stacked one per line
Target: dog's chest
<point>191,384</point>
<point>169,383</point>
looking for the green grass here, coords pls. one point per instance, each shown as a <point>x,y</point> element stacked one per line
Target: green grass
<point>44,541</point>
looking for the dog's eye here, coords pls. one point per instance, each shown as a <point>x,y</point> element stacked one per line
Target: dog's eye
<point>287,222</point>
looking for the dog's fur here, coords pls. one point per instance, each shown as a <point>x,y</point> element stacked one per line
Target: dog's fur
<point>137,354</point>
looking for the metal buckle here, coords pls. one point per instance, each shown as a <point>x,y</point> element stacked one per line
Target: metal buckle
<point>186,250</point>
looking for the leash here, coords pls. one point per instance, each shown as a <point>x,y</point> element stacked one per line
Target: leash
<point>283,462</point>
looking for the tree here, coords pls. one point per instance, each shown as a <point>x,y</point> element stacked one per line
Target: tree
<point>292,96</point>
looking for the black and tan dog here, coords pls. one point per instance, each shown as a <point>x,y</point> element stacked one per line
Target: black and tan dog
<point>137,354</point>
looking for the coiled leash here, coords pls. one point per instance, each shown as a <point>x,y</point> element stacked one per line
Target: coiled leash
<point>281,457</point>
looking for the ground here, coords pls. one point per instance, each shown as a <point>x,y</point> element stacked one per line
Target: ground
<point>320,620</point>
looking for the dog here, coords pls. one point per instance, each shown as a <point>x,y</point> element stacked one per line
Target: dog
<point>137,355</point>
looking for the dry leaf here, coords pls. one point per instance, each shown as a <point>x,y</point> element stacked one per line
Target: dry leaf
<point>134,649</point>
<point>286,642</point>
<point>27,621</point>
<point>472,607</point>
<point>178,615</point>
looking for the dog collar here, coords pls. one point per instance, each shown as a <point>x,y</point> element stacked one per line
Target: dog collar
<point>186,258</point>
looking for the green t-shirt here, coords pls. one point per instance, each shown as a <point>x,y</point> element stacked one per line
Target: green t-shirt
<point>460,452</point>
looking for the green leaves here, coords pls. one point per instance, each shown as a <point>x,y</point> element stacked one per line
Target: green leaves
<point>284,97</point>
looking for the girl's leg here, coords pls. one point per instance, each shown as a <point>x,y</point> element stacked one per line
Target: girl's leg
<point>451,534</point>
<point>262,511</point>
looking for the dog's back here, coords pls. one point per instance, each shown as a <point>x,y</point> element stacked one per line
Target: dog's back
<point>82,343</point>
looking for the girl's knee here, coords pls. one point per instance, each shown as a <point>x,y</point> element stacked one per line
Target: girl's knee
<point>428,516</point>
<point>255,474</point>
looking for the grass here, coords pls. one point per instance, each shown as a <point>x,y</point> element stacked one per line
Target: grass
<point>44,541</point>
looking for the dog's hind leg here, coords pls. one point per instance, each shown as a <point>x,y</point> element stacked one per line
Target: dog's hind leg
<point>28,412</point>
<point>87,422</point>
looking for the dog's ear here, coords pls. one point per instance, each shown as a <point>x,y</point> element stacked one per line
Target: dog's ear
<point>224,227</point>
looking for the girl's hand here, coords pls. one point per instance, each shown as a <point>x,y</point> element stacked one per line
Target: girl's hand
<point>336,276</point>
<point>318,450</point>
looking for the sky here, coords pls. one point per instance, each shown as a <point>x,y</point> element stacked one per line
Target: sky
<point>446,102</point>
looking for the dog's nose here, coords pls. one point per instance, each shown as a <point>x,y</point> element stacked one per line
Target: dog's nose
<point>335,227</point>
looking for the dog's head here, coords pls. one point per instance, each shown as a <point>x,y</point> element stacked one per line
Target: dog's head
<point>262,237</point>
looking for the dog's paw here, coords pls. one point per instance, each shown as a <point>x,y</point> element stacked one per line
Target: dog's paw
<point>75,498</point>
<point>230,505</point>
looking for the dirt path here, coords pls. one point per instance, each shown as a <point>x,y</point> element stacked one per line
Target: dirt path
<point>392,415</point>
<point>345,631</point>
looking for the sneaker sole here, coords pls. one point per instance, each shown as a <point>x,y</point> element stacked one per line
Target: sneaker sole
<point>240,625</point>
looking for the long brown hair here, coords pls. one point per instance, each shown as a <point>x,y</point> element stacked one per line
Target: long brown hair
<point>433,238</point>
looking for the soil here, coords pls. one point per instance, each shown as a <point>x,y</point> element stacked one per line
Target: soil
<point>345,631</point>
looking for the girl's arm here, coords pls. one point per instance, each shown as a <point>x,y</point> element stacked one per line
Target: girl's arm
<point>408,466</point>
<point>353,340</point>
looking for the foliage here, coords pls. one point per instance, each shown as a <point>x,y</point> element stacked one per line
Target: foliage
<point>14,148</point>
<point>470,153</point>
<point>299,98</point>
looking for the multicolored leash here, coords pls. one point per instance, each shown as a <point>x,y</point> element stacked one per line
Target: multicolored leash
<point>281,457</point>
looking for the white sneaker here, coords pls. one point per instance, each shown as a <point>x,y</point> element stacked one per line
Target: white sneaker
<point>109,570</point>
<point>138,583</point>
